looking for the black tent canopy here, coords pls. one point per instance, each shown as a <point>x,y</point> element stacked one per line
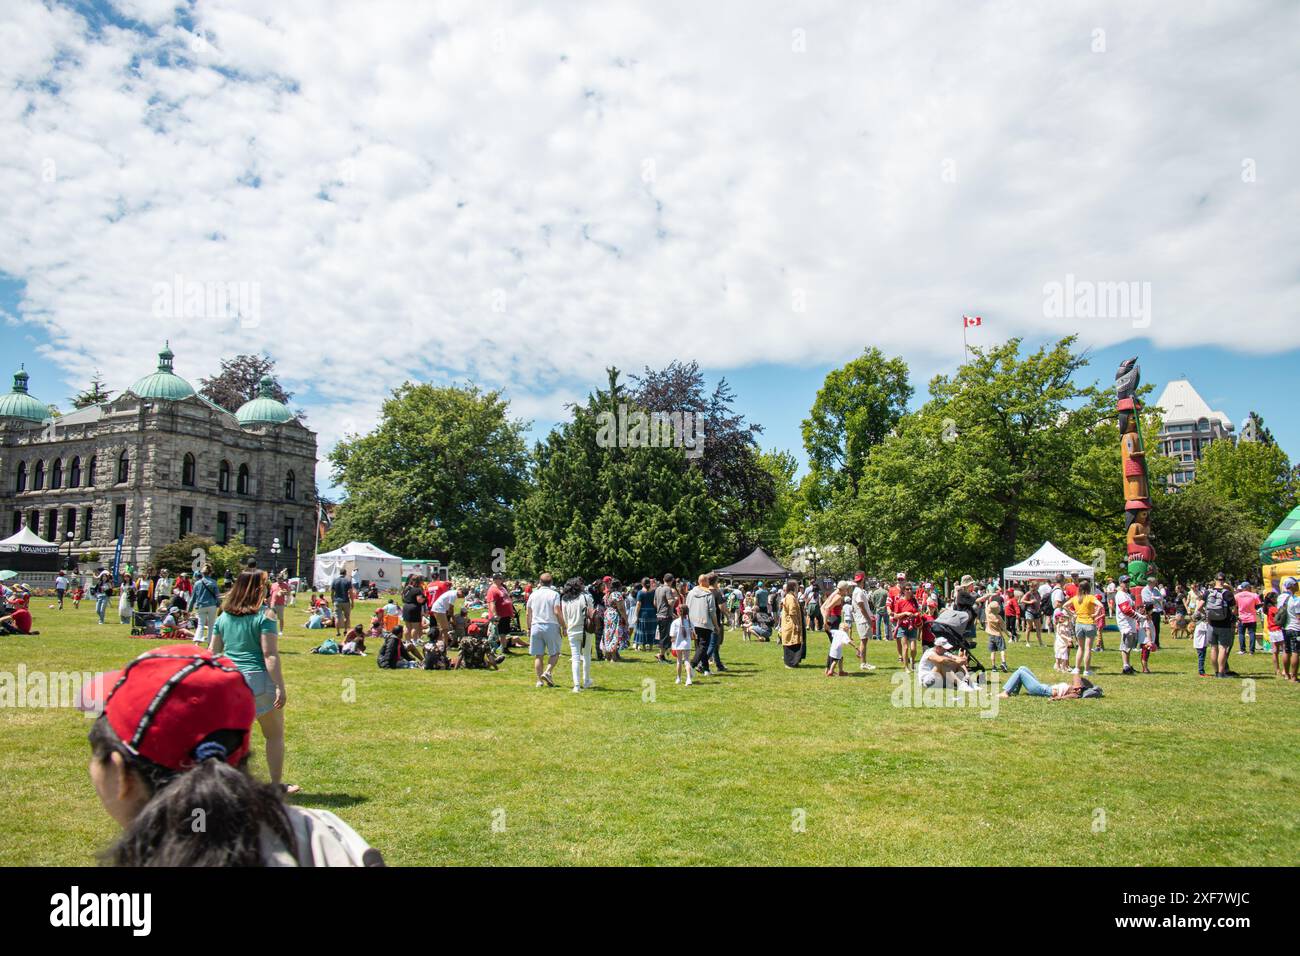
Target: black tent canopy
<point>759,565</point>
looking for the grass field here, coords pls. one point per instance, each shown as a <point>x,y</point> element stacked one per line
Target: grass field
<point>757,766</point>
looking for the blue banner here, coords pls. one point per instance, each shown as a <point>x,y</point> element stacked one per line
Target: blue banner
<point>117,559</point>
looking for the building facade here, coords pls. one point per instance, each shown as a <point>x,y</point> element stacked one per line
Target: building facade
<point>155,464</point>
<point>1188,428</point>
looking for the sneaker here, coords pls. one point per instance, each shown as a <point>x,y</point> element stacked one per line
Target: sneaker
<point>703,674</point>
<point>546,676</point>
<point>1088,672</point>
<point>539,684</point>
<point>689,682</point>
<point>1128,670</point>
<point>869,667</point>
<point>678,681</point>
<point>577,689</point>
<point>1074,670</point>
<point>589,683</point>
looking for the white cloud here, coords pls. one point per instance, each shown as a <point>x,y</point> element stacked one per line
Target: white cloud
<point>523,196</point>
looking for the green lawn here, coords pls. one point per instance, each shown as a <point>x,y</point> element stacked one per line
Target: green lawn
<point>478,767</point>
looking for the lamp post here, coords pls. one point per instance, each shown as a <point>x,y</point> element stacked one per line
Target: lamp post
<point>812,557</point>
<point>275,556</point>
<point>68,536</point>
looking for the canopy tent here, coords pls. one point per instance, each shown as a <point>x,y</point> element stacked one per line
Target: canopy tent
<point>1280,553</point>
<point>370,563</point>
<point>1047,562</point>
<point>25,550</point>
<point>758,566</point>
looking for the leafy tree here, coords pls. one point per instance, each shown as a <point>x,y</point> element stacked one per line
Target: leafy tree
<point>178,556</point>
<point>240,381</point>
<point>230,558</point>
<point>729,464</point>
<point>856,407</point>
<point>597,508</point>
<point>1007,452</point>
<point>1255,476</point>
<point>783,528</point>
<point>1262,433</point>
<point>96,394</point>
<point>438,477</point>
<point>1197,534</point>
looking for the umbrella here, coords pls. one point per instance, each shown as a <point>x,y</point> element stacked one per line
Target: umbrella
<point>7,574</point>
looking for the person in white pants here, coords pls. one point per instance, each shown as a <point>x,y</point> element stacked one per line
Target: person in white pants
<point>574,604</point>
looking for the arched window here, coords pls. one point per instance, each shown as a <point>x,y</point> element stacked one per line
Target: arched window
<point>38,478</point>
<point>20,481</point>
<point>187,470</point>
<point>74,473</point>
<point>223,477</point>
<point>123,467</point>
<point>56,474</point>
<point>290,485</point>
<point>90,472</point>
<point>241,483</point>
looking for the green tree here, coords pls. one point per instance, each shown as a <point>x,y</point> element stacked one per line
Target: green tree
<point>1197,534</point>
<point>856,407</point>
<point>437,478</point>
<point>1009,451</point>
<point>783,524</point>
<point>230,558</point>
<point>597,508</point>
<point>1255,476</point>
<point>96,394</point>
<point>178,556</point>
<point>240,381</point>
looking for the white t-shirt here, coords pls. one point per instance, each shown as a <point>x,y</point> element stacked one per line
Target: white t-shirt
<point>544,606</point>
<point>164,587</point>
<point>1058,597</point>
<point>575,613</point>
<point>1044,591</point>
<point>838,639</point>
<point>680,635</point>
<point>1124,615</point>
<point>859,601</point>
<point>444,602</point>
<point>61,583</point>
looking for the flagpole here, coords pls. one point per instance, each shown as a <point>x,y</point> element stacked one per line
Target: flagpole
<point>964,347</point>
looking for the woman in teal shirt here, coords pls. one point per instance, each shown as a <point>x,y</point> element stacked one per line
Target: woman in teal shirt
<point>247,634</point>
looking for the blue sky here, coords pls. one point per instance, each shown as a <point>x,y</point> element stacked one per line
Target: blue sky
<point>520,195</point>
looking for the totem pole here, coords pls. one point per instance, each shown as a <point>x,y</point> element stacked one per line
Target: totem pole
<point>1137,493</point>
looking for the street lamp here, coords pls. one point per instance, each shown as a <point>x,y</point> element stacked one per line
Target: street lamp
<point>812,557</point>
<point>275,555</point>
<point>69,537</point>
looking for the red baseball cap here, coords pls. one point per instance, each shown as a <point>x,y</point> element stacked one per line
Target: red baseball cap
<point>169,700</point>
<point>607,579</point>
<point>860,576</point>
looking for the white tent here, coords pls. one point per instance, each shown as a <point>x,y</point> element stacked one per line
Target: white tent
<point>1047,562</point>
<point>29,541</point>
<point>370,563</point>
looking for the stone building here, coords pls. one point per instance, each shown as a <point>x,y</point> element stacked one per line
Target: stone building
<point>154,464</point>
<point>1189,427</point>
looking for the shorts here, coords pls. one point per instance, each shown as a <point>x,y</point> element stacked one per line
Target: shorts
<point>1031,615</point>
<point>832,622</point>
<point>1291,642</point>
<point>1221,635</point>
<point>997,643</point>
<point>1128,641</point>
<point>544,640</point>
<point>263,688</point>
<point>505,625</point>
<point>342,607</point>
<point>905,633</point>
<point>411,614</point>
<point>1085,632</point>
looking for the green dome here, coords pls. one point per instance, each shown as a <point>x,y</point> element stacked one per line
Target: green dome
<point>18,404</point>
<point>264,408</point>
<point>163,384</point>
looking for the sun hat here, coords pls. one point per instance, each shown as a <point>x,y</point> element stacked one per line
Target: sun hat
<point>1288,583</point>
<point>966,580</point>
<point>165,704</point>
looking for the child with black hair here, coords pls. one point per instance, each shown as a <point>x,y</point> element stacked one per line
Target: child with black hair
<point>171,743</point>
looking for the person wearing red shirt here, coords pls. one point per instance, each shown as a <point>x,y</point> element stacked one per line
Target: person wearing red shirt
<point>894,593</point>
<point>1072,589</point>
<point>906,616</point>
<point>18,621</point>
<point>501,610</point>
<point>1011,611</point>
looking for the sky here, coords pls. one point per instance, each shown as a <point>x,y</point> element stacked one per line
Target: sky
<point>518,195</point>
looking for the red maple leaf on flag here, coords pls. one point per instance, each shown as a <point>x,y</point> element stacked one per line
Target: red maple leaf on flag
<point>969,320</point>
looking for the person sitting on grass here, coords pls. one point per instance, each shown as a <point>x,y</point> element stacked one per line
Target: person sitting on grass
<point>173,626</point>
<point>1023,678</point>
<point>412,653</point>
<point>16,619</point>
<point>459,628</point>
<point>436,657</point>
<point>940,667</point>
<point>476,654</point>
<point>354,643</point>
<point>316,622</point>
<point>171,741</point>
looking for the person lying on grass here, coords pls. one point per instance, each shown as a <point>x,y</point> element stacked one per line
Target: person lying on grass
<point>170,743</point>
<point>1073,689</point>
<point>476,654</point>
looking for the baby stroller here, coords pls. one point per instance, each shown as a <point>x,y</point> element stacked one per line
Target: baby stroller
<point>146,624</point>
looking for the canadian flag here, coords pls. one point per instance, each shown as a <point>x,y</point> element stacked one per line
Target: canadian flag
<point>969,320</point>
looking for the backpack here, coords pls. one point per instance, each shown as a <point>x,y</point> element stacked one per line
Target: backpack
<point>594,621</point>
<point>1280,615</point>
<point>1091,692</point>
<point>390,655</point>
<point>1216,606</point>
